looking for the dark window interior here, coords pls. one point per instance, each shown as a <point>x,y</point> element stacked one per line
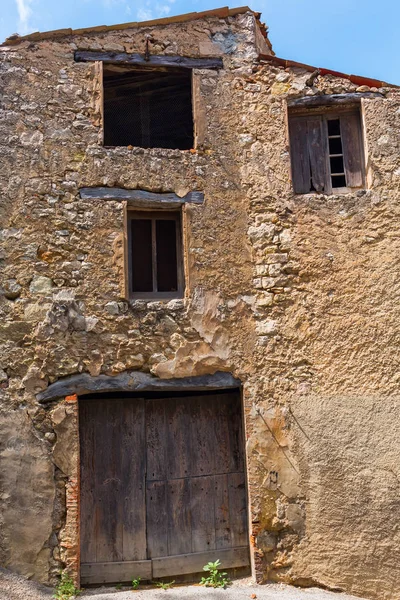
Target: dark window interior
<point>142,269</point>
<point>338,176</point>
<point>155,255</point>
<point>147,107</point>
<point>167,280</point>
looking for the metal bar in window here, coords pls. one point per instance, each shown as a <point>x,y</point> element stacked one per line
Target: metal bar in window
<point>335,155</point>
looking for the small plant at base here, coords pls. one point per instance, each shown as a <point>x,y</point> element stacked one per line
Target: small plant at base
<point>66,588</point>
<point>118,586</point>
<point>215,579</point>
<point>165,585</point>
<point>136,583</point>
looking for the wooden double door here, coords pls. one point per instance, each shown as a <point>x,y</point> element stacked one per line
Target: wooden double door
<point>162,486</point>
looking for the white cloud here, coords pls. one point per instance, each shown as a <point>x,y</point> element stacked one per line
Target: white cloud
<point>144,14</point>
<point>148,11</point>
<point>24,15</point>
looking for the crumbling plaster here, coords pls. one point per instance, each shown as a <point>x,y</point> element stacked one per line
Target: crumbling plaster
<point>294,295</point>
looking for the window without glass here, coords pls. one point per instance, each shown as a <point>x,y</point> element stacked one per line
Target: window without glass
<point>326,151</point>
<point>148,107</point>
<point>155,255</point>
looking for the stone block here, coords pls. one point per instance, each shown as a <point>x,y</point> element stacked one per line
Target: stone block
<point>41,285</point>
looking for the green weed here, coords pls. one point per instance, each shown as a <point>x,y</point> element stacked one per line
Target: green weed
<point>65,588</point>
<point>136,583</point>
<point>215,579</point>
<point>165,585</point>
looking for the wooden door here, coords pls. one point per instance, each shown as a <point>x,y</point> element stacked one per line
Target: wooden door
<point>162,486</point>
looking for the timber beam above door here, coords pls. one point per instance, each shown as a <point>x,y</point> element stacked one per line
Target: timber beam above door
<point>153,60</point>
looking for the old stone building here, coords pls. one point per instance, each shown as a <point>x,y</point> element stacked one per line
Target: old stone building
<point>200,307</point>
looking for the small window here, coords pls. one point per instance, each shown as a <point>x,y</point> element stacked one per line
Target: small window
<point>326,151</point>
<point>155,255</point>
<point>148,107</point>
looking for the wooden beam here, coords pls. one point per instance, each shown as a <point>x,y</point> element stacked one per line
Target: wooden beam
<point>135,381</point>
<point>141,198</point>
<point>155,60</point>
<point>331,100</point>
<point>115,572</point>
<point>183,564</point>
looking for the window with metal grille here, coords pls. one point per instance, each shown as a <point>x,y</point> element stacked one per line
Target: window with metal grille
<point>155,255</point>
<point>326,151</point>
<point>147,107</point>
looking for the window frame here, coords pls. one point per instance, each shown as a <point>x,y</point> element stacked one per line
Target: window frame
<point>154,215</point>
<point>325,114</point>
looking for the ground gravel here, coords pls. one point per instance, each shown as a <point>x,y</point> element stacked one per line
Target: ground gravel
<point>14,587</point>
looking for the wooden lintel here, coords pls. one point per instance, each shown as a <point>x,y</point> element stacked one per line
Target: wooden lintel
<point>141,198</point>
<point>134,381</point>
<point>155,60</point>
<point>331,100</point>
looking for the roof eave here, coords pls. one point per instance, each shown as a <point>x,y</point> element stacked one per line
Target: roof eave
<point>221,13</point>
<point>356,79</point>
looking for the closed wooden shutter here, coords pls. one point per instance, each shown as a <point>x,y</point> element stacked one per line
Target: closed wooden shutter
<point>350,130</point>
<point>301,174</point>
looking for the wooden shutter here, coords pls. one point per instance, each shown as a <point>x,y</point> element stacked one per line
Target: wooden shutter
<point>299,155</point>
<point>352,149</point>
<point>309,155</point>
<point>318,153</point>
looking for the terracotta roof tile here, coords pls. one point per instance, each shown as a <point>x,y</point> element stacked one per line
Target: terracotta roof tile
<point>356,79</point>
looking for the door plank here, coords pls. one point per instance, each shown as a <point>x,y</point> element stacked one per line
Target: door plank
<point>178,446</point>
<point>235,431</point>
<point>202,436</point>
<point>115,572</point>
<point>156,436</point>
<point>88,505</point>
<point>132,474</point>
<point>179,521</point>
<point>222,443</point>
<point>157,519</point>
<point>223,537</point>
<point>194,562</point>
<point>109,522</point>
<point>238,509</point>
<point>202,513</point>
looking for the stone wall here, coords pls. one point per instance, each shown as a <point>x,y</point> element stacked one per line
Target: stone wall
<point>294,295</point>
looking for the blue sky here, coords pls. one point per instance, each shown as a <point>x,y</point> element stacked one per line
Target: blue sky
<point>354,36</point>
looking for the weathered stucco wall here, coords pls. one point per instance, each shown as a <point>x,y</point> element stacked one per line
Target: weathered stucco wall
<point>294,295</point>
<point>332,363</point>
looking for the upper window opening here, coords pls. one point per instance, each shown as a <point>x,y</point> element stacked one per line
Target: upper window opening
<point>148,107</point>
<point>326,151</point>
<point>155,254</point>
